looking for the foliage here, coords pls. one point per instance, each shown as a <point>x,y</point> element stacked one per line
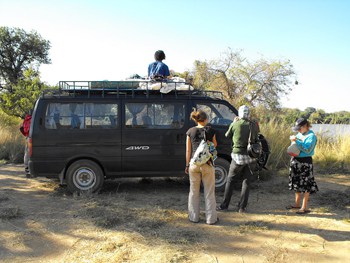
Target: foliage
<point>258,83</point>
<point>338,117</point>
<point>11,140</point>
<point>19,51</point>
<point>315,116</point>
<point>24,94</point>
<point>8,121</point>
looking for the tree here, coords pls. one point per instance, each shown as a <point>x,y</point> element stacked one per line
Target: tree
<point>23,95</point>
<point>258,83</point>
<point>308,111</point>
<point>317,117</point>
<point>19,51</point>
<point>290,116</point>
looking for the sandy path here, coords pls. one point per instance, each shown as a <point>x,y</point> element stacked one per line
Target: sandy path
<point>47,226</point>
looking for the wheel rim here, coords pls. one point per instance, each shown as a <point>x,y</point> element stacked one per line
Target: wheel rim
<point>84,178</point>
<point>220,176</point>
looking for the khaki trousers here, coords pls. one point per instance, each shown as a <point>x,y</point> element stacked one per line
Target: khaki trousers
<point>206,174</point>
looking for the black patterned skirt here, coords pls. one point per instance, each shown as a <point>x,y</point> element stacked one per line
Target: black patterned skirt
<point>301,175</point>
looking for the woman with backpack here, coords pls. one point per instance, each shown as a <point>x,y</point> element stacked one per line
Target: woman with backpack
<point>198,173</point>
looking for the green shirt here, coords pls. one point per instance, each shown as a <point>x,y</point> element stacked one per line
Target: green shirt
<point>239,132</point>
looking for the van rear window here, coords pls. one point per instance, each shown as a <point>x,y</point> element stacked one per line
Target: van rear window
<point>81,115</point>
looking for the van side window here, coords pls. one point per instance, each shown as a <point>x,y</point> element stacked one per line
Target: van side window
<point>219,114</point>
<point>81,115</point>
<point>155,115</point>
<point>99,115</point>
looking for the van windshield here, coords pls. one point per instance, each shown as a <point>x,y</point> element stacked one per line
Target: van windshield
<point>218,114</point>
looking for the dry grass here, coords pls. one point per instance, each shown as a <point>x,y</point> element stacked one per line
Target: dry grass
<point>332,154</point>
<point>334,199</point>
<point>11,144</point>
<point>253,226</point>
<point>116,212</point>
<point>7,213</point>
<point>277,134</point>
<point>134,231</point>
<point>146,221</point>
<point>3,198</point>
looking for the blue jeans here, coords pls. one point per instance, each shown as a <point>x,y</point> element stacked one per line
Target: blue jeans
<point>26,157</point>
<point>237,172</point>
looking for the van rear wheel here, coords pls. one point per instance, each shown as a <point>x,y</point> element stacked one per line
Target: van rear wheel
<point>222,167</point>
<point>84,176</point>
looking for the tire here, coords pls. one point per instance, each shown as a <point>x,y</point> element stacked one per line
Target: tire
<point>222,167</point>
<point>84,176</point>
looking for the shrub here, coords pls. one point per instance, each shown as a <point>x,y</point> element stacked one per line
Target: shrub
<point>8,121</point>
<point>277,134</point>
<point>333,153</point>
<point>11,144</point>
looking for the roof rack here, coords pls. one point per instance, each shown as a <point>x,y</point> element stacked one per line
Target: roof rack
<point>129,88</point>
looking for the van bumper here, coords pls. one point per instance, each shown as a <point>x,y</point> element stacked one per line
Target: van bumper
<point>31,168</point>
<point>34,169</point>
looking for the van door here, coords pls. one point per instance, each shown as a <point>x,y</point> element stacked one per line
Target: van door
<point>153,137</point>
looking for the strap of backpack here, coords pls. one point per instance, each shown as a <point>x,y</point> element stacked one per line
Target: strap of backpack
<point>250,132</point>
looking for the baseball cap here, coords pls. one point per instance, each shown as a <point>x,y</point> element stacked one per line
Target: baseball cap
<point>300,122</point>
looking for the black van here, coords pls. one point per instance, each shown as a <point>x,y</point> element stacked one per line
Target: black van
<point>88,131</point>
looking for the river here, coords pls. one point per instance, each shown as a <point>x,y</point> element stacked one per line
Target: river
<point>331,129</point>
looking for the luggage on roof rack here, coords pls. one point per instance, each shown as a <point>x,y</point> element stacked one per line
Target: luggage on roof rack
<point>127,88</point>
<point>126,85</point>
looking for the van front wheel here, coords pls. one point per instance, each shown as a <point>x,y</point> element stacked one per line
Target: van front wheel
<point>222,167</point>
<point>84,176</point>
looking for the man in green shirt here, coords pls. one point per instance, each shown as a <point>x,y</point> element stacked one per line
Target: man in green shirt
<point>239,131</point>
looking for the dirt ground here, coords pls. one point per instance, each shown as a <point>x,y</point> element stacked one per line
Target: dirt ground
<point>135,220</point>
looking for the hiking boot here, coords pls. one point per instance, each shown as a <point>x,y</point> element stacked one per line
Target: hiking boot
<point>220,208</point>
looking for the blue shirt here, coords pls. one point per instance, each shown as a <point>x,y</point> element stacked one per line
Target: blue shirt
<point>158,68</point>
<point>306,143</point>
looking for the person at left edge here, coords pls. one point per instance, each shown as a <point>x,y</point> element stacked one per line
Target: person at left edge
<point>24,129</point>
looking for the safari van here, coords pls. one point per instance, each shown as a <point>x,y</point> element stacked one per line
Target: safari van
<point>89,131</point>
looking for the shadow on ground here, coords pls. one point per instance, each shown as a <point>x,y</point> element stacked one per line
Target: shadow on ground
<point>157,210</point>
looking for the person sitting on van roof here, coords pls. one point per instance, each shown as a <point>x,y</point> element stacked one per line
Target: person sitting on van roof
<point>157,69</point>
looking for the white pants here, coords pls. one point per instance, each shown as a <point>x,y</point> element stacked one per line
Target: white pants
<point>206,174</point>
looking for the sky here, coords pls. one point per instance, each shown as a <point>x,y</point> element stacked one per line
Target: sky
<point>111,40</point>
